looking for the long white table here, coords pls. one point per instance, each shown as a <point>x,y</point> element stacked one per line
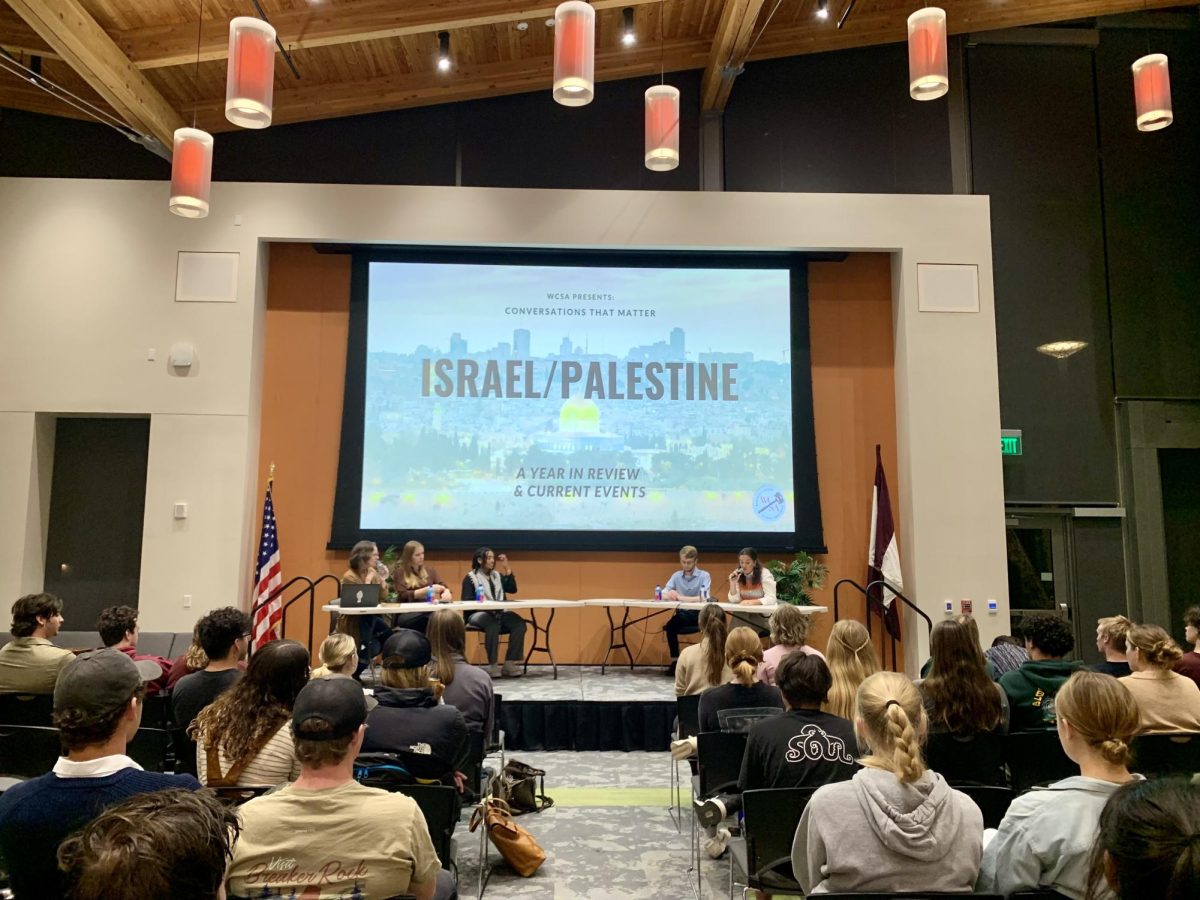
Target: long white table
<point>541,633</point>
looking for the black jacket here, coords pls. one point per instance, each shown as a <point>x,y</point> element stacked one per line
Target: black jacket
<point>432,739</point>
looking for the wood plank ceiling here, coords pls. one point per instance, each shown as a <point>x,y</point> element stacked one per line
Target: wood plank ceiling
<point>157,63</point>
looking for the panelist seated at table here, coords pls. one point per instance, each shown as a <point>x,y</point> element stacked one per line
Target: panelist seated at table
<point>689,585</point>
<point>417,583</point>
<point>369,632</point>
<point>752,584</point>
<point>491,578</point>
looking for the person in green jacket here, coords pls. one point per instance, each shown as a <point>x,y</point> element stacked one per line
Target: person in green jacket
<point>1031,689</point>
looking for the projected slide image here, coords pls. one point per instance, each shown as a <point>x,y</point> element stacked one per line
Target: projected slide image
<point>577,398</point>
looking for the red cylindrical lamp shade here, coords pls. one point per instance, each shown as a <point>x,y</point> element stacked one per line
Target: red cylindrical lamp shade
<point>191,173</point>
<point>662,128</point>
<point>574,53</point>
<point>1152,92</point>
<point>928,74</point>
<point>250,76</point>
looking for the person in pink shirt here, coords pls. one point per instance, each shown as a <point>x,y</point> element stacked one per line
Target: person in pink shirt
<point>118,627</point>
<point>789,634</point>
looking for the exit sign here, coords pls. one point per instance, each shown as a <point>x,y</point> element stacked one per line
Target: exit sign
<point>1011,443</point>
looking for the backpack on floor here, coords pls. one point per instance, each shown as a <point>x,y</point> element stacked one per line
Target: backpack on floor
<point>521,787</point>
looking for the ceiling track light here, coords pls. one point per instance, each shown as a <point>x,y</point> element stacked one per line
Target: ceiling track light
<point>628,32</point>
<point>443,62</point>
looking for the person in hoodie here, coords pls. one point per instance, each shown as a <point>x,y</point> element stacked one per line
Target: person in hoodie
<point>1046,837</point>
<point>431,738</point>
<point>1031,688</point>
<point>894,826</point>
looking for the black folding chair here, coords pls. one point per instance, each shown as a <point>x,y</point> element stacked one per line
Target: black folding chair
<point>769,820</point>
<point>151,749</point>
<point>967,759</point>
<point>27,751</point>
<point>236,796</point>
<point>26,709</point>
<point>183,752</point>
<point>687,723</point>
<point>156,711</point>
<point>718,766</point>
<point>473,767</point>
<point>993,801</point>
<point>1036,757</point>
<point>440,807</point>
<point>1156,755</point>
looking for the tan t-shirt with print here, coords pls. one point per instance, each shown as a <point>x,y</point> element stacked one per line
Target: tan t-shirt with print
<point>347,841</point>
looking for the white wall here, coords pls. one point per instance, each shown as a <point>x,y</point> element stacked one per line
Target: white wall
<point>88,273</point>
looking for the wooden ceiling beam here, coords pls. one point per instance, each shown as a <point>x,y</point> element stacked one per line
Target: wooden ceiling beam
<point>342,23</point>
<point>382,93</point>
<point>730,44</point>
<point>76,37</point>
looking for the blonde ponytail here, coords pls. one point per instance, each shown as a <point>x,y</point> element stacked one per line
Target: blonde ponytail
<point>743,653</point>
<point>894,719</point>
<point>712,626</point>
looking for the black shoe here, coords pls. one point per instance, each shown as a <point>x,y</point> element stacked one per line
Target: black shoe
<point>709,812</point>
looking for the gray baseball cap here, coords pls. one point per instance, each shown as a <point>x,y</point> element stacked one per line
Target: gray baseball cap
<point>101,680</point>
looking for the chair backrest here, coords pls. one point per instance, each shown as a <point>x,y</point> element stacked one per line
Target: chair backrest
<point>77,640</point>
<point>1155,755</point>
<point>1036,757</point>
<point>719,759</point>
<point>494,738</point>
<point>769,820</point>
<point>156,711</point>
<point>180,641</point>
<point>183,752</point>
<point>742,718</point>
<point>27,751</point>
<point>474,763</point>
<point>440,807</point>
<point>993,801</point>
<point>967,759</point>
<point>231,795</point>
<point>687,709</point>
<point>26,709</point>
<point>151,749</point>
<point>155,643</point>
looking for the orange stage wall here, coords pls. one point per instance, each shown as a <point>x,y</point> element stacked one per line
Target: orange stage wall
<point>854,402</point>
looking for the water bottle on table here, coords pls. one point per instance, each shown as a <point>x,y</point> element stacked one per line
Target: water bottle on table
<point>479,593</point>
<point>429,594</point>
<point>658,592</point>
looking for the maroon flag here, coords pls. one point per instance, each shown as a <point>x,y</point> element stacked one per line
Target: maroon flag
<point>883,559</point>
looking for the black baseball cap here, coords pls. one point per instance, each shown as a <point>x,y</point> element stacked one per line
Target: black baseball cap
<point>335,700</point>
<point>406,649</point>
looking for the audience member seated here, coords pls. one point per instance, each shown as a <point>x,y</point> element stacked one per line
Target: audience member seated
<point>97,710</point>
<point>894,826</point>
<point>174,843</point>
<point>29,663</point>
<point>243,737</point>
<point>851,659</point>
<point>967,621</point>
<point>1189,663</point>
<point>339,658</point>
<point>804,747</point>
<point>1167,701</point>
<point>1007,654</point>
<point>367,632</point>
<point>1110,641</point>
<point>702,666</point>
<point>789,634</point>
<point>743,654</point>
<point>118,627</point>
<point>1146,846</point>
<point>492,579</point>
<point>689,584</point>
<point>356,841</point>
<point>1045,838</point>
<point>417,583</point>
<point>224,638</point>
<point>464,687</point>
<point>431,738</point>
<point>1032,687</point>
<point>958,695</point>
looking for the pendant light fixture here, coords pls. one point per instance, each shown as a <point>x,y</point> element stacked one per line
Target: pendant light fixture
<point>1152,92</point>
<point>662,116</point>
<point>928,75</point>
<point>250,75</point>
<point>574,53</point>
<point>191,159</point>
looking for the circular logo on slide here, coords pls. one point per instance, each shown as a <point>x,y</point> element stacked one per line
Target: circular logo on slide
<point>769,504</point>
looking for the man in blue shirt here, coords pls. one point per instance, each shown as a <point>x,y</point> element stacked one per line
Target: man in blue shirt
<point>689,584</point>
<point>97,709</point>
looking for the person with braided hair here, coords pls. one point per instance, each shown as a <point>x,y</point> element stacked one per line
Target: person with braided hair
<point>1047,833</point>
<point>1166,700</point>
<point>1148,843</point>
<point>896,825</point>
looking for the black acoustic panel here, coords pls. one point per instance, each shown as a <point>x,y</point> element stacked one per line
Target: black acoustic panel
<point>1180,470</point>
<point>835,122</point>
<point>1099,578</point>
<point>528,140</point>
<point>38,146</point>
<point>1033,138</point>
<point>1151,200</point>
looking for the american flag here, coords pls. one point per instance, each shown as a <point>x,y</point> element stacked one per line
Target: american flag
<point>266,620</point>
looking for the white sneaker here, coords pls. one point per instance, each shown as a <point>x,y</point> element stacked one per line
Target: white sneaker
<point>715,846</point>
<point>512,669</point>
<point>494,670</point>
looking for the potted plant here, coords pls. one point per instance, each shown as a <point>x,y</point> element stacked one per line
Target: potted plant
<point>388,558</point>
<point>794,581</point>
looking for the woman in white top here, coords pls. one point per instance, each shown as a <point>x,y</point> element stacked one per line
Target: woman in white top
<point>1046,837</point>
<point>249,726</point>
<point>1166,700</point>
<point>789,634</point>
<point>751,582</point>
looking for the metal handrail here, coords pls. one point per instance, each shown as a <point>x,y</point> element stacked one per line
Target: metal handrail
<point>275,594</point>
<point>862,590</point>
<point>883,582</point>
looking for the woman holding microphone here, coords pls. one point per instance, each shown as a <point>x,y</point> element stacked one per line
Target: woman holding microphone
<point>752,584</point>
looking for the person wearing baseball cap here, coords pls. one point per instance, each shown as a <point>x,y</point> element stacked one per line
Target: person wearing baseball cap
<point>366,841</point>
<point>97,710</point>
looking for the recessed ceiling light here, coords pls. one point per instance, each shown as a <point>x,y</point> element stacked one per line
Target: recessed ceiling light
<point>1061,349</point>
<point>550,23</point>
<point>522,26</point>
